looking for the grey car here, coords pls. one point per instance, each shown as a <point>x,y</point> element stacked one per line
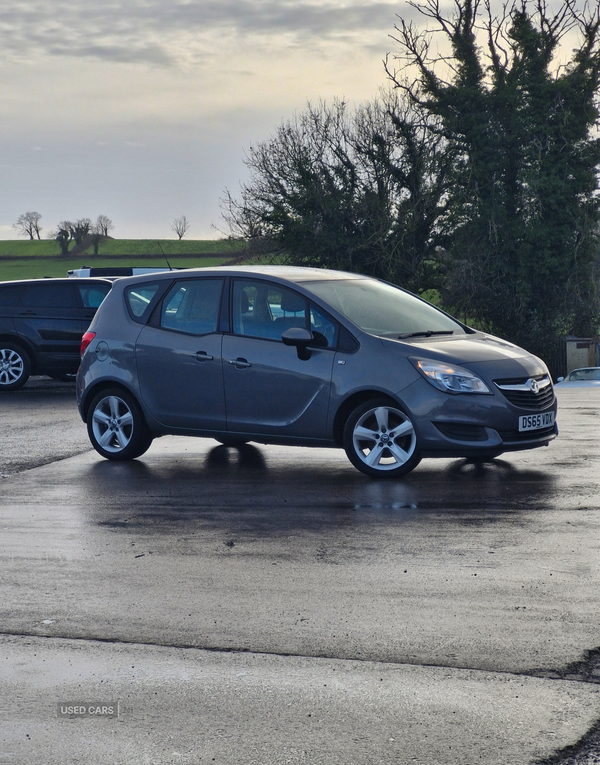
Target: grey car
<point>306,357</point>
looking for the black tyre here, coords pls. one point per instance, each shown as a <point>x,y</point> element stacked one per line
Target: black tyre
<point>15,366</point>
<point>380,440</point>
<point>116,426</point>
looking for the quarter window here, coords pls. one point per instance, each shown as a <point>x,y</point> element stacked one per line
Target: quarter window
<point>192,306</point>
<point>139,298</point>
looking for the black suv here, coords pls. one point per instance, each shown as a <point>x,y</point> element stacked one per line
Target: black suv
<point>41,324</point>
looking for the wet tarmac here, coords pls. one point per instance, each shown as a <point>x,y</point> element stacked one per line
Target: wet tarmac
<point>273,605</point>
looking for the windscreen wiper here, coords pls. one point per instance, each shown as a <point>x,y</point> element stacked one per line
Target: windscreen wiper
<point>426,333</point>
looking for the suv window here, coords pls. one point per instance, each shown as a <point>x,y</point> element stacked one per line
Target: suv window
<point>9,294</point>
<point>93,294</point>
<point>48,295</point>
<point>192,306</point>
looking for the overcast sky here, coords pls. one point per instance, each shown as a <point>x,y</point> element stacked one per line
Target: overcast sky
<point>142,109</point>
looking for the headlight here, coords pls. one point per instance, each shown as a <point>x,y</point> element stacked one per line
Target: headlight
<point>450,379</point>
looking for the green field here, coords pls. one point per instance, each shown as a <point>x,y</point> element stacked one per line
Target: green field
<point>36,259</point>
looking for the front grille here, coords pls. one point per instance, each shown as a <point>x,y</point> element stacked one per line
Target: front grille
<point>459,431</point>
<point>519,392</point>
<point>515,436</point>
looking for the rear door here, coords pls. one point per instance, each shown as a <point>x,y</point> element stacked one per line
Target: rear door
<point>48,315</point>
<point>9,295</point>
<point>178,356</point>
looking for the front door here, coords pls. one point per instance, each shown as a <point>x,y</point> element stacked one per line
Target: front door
<point>268,389</point>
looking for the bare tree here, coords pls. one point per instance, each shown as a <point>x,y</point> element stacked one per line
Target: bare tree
<point>103,225</point>
<point>181,226</point>
<point>28,224</point>
<point>359,190</point>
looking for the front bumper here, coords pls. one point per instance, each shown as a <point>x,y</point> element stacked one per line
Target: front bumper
<point>468,425</point>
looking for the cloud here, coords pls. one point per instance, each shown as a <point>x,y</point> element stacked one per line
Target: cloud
<point>162,32</point>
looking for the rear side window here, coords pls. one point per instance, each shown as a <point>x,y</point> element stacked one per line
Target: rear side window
<point>139,298</point>
<point>48,295</point>
<point>9,294</point>
<point>192,306</point>
<point>93,294</point>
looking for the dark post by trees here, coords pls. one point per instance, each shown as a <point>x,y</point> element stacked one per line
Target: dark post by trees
<point>523,208</point>
<point>63,237</point>
<point>180,226</point>
<point>28,224</point>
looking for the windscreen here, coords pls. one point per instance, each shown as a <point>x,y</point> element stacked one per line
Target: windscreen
<point>384,310</point>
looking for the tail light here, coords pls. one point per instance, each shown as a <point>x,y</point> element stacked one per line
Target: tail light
<point>86,340</point>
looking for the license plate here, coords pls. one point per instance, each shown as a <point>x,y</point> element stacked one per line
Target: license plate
<point>536,421</point>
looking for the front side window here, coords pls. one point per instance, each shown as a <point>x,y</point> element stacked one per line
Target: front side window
<point>266,310</point>
<point>324,329</point>
<point>192,306</point>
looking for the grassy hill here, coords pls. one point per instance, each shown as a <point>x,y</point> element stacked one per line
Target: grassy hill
<point>36,259</point>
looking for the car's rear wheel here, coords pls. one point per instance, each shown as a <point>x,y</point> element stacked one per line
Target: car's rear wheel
<point>15,366</point>
<point>116,426</point>
<point>380,440</point>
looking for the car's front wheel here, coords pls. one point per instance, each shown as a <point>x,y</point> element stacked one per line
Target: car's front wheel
<point>380,440</point>
<point>116,426</point>
<point>15,366</point>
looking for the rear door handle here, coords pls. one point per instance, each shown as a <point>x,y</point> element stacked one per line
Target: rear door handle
<point>203,356</point>
<point>240,363</point>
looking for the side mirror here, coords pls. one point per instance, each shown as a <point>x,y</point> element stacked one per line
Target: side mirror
<point>559,379</point>
<point>300,338</point>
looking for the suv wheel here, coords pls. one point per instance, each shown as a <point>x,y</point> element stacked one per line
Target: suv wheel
<point>15,366</point>
<point>116,426</point>
<point>380,440</point>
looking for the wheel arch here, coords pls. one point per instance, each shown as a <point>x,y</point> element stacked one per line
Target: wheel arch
<point>105,385</point>
<point>349,405</point>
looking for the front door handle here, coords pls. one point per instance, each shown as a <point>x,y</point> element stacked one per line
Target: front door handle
<point>203,356</point>
<point>240,363</point>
